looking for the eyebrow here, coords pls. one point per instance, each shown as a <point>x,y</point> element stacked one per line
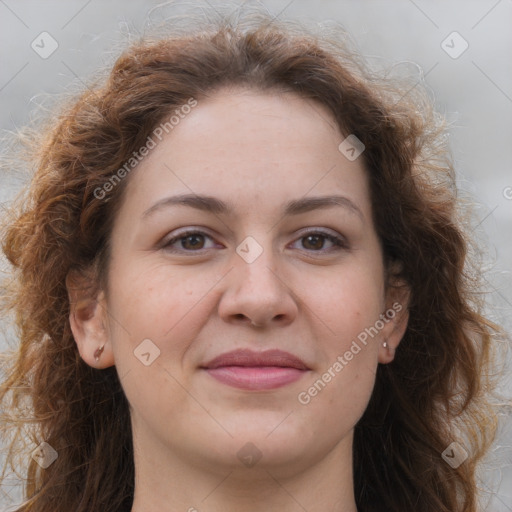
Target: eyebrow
<point>217,206</point>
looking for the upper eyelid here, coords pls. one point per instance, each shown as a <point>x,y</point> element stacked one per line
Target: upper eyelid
<point>301,232</point>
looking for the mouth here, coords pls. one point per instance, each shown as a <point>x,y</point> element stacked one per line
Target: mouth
<point>246,369</point>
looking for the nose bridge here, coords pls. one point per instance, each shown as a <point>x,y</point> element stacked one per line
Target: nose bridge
<point>255,288</point>
<point>257,264</point>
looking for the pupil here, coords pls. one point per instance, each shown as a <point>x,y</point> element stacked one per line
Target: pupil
<point>195,241</point>
<point>315,238</point>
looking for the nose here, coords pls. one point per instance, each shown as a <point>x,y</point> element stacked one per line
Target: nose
<point>258,293</point>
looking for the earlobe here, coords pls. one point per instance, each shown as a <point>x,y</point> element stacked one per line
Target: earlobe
<point>88,322</point>
<point>386,353</point>
<point>393,335</point>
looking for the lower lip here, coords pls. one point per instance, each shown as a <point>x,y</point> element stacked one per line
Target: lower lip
<point>256,378</point>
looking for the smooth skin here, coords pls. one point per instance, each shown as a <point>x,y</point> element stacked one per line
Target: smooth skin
<point>196,297</point>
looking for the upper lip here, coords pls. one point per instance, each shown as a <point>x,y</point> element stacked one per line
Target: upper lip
<point>249,358</point>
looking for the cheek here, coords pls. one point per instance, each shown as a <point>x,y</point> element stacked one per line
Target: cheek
<point>349,305</point>
<point>154,301</point>
<point>340,388</point>
<point>348,300</point>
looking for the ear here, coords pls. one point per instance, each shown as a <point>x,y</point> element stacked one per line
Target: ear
<point>88,320</point>
<point>396,317</point>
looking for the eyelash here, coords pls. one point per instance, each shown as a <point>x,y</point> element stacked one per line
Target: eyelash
<point>339,243</point>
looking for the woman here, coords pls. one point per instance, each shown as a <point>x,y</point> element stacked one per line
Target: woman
<point>241,284</point>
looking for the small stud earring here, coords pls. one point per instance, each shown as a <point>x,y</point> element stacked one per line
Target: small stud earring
<point>385,344</point>
<point>98,353</point>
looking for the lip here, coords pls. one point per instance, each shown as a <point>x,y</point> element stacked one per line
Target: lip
<point>246,369</point>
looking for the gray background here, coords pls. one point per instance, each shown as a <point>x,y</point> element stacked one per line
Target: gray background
<point>474,92</point>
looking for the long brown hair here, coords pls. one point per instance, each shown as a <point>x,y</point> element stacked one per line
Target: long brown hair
<point>434,392</point>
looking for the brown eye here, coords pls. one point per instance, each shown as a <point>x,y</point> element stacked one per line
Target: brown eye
<point>315,241</point>
<point>189,241</point>
<point>192,241</point>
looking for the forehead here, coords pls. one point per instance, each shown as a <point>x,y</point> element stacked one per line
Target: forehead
<point>254,148</point>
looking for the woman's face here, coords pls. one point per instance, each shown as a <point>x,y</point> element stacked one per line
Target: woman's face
<point>272,253</point>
